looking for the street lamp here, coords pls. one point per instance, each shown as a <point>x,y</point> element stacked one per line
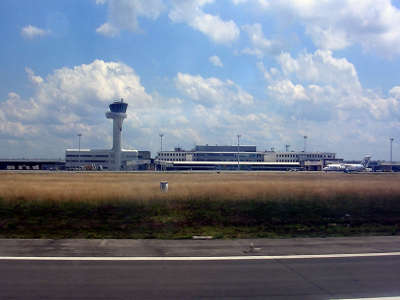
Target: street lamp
<point>238,150</point>
<point>391,147</point>
<point>305,143</point>
<point>161,137</point>
<point>79,149</point>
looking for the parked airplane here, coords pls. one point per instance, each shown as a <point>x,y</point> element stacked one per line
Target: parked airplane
<point>349,167</point>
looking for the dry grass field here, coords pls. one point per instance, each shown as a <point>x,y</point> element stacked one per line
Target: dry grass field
<point>100,187</point>
<point>225,205</point>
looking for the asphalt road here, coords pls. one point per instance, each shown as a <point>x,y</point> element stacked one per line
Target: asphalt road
<point>298,278</point>
<point>284,279</point>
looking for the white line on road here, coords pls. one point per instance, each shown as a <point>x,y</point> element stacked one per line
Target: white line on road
<point>380,298</point>
<point>197,258</point>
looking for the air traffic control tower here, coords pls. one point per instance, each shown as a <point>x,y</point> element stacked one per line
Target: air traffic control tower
<point>115,159</point>
<point>118,114</point>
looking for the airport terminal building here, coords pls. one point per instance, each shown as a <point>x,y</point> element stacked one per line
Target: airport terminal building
<point>206,157</point>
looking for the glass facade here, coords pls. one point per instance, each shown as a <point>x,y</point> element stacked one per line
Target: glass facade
<point>118,107</point>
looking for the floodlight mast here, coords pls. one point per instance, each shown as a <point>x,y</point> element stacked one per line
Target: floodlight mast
<point>79,149</point>
<point>391,148</point>
<point>118,114</point>
<point>161,137</point>
<point>238,150</point>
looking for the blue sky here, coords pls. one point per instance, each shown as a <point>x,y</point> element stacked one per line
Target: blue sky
<point>201,71</point>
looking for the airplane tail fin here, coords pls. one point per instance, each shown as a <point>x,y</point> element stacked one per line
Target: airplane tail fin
<point>365,161</point>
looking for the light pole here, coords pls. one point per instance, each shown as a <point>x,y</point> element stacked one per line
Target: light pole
<point>161,137</point>
<point>287,148</point>
<point>79,149</point>
<point>238,150</point>
<point>305,143</point>
<point>391,147</point>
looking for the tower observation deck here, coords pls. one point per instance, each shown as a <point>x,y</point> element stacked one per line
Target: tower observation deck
<point>118,114</point>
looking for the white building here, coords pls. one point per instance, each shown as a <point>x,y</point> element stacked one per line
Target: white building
<point>241,157</point>
<point>297,156</point>
<point>100,159</point>
<point>115,159</point>
<point>246,153</point>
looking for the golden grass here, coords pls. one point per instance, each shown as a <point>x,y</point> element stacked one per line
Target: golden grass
<point>100,187</point>
<point>225,205</point>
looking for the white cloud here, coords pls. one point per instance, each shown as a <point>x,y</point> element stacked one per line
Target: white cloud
<point>124,14</point>
<point>395,92</point>
<point>212,91</point>
<point>286,91</point>
<point>190,12</point>
<point>322,87</point>
<point>71,100</point>
<point>216,61</point>
<point>108,30</point>
<point>336,24</point>
<point>18,109</point>
<point>262,3</point>
<point>97,81</point>
<point>260,44</point>
<point>316,94</point>
<point>220,124</point>
<point>321,67</point>
<point>31,32</point>
<point>32,77</point>
<point>236,2</point>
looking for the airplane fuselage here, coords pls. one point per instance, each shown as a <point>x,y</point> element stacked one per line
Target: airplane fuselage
<point>349,167</point>
<point>335,167</point>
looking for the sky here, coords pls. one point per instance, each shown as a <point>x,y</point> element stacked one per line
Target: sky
<point>201,72</point>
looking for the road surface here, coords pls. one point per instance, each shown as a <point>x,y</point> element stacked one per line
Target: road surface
<point>270,278</point>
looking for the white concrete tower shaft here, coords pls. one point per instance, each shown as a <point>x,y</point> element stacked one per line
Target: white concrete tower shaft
<point>118,114</point>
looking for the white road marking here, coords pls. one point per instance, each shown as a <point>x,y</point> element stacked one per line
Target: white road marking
<point>379,298</point>
<point>197,258</point>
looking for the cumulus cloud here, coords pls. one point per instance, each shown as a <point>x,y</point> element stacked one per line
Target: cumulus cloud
<point>286,91</point>
<point>337,24</point>
<point>216,61</point>
<point>191,12</point>
<point>262,3</point>
<point>260,44</point>
<point>32,77</point>
<point>107,29</point>
<point>96,82</point>
<point>236,2</point>
<point>320,67</point>
<point>31,32</point>
<point>71,100</point>
<point>332,109</point>
<point>319,84</point>
<point>395,92</point>
<point>124,14</point>
<point>212,91</point>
